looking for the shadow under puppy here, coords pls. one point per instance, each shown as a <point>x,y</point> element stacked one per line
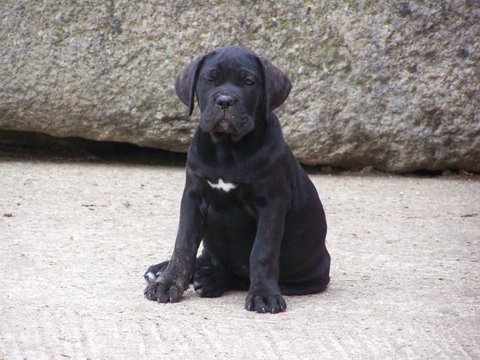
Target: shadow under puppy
<point>246,197</point>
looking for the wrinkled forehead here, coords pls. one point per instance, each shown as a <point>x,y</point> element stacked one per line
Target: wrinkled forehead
<point>231,60</point>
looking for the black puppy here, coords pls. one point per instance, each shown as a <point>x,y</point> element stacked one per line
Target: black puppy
<point>262,224</point>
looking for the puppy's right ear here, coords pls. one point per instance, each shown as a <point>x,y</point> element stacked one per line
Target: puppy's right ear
<point>187,81</point>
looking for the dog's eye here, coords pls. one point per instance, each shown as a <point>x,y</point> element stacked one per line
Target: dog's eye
<point>249,81</point>
<point>210,76</point>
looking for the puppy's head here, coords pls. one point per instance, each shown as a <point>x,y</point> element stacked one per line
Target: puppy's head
<point>235,88</point>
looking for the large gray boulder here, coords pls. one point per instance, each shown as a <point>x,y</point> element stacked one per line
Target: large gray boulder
<point>394,85</point>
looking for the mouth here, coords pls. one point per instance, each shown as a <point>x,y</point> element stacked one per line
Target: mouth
<point>224,127</point>
<point>225,130</point>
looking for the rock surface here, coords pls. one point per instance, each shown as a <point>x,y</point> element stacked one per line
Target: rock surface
<point>394,86</point>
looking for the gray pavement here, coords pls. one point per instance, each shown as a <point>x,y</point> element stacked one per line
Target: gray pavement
<point>75,239</point>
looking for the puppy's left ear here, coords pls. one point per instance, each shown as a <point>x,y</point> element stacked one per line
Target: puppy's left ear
<point>187,81</point>
<point>277,85</point>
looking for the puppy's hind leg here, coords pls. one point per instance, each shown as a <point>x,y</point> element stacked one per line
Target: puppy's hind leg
<point>315,281</point>
<point>212,279</point>
<point>153,271</point>
<point>150,275</point>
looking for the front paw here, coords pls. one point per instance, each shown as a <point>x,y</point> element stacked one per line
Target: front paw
<point>263,302</point>
<point>163,291</point>
<point>165,288</point>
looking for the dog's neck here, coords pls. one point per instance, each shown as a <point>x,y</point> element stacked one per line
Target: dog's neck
<point>230,160</point>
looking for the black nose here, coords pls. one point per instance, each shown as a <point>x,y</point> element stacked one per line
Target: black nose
<point>224,101</point>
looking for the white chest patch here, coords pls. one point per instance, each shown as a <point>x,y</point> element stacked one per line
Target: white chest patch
<point>221,185</point>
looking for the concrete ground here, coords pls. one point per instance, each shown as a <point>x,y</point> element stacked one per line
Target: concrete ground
<point>76,237</point>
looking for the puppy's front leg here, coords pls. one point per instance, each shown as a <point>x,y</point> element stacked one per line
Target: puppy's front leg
<point>171,283</point>
<point>264,294</point>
